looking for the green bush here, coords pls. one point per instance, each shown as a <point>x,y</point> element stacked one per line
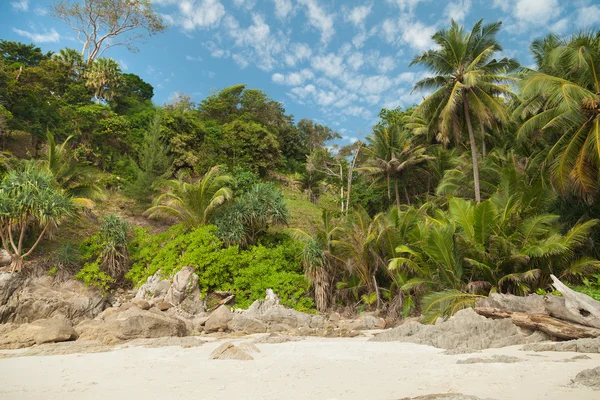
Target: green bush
<point>91,275</point>
<point>246,273</point>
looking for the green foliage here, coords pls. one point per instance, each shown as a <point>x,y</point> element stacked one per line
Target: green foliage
<point>246,273</point>
<point>92,275</point>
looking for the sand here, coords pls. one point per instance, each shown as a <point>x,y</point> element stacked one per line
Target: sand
<point>315,369</point>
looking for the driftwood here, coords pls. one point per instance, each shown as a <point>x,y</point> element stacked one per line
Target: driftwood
<point>573,316</point>
<point>542,322</point>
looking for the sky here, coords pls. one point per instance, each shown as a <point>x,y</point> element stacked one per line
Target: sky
<point>335,62</point>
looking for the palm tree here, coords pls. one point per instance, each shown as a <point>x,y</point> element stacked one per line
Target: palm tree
<point>563,98</point>
<point>76,179</point>
<point>468,83</point>
<point>103,77</point>
<point>318,257</point>
<point>73,59</point>
<point>30,201</point>
<point>193,204</point>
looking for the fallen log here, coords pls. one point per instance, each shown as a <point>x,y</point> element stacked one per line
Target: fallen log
<point>542,322</point>
<point>578,307</point>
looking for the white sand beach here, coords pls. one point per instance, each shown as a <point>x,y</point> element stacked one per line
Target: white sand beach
<point>313,368</point>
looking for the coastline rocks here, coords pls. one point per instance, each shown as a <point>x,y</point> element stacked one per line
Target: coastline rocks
<point>38,332</point>
<point>5,258</point>
<point>23,301</point>
<point>589,378</point>
<point>218,320</point>
<point>242,323</point>
<point>576,346</point>
<point>227,351</point>
<point>465,332</point>
<point>363,322</point>
<point>182,291</point>
<point>133,323</point>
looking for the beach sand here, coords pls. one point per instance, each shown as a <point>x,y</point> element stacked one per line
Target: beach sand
<point>310,369</point>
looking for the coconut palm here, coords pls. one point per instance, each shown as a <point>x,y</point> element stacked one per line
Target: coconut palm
<point>467,84</point>
<point>103,77</point>
<point>318,257</point>
<point>72,58</point>
<point>193,203</point>
<point>30,201</point>
<point>563,99</point>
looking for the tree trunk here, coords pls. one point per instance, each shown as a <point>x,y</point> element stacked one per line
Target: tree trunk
<point>579,306</point>
<point>17,263</point>
<point>397,194</point>
<point>544,323</point>
<point>389,187</point>
<point>350,173</point>
<point>473,150</point>
<point>483,148</point>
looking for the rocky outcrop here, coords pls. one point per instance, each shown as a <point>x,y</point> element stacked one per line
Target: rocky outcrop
<point>576,346</point>
<point>114,326</point>
<point>24,301</point>
<point>364,321</point>
<point>496,358</point>
<point>465,332</point>
<point>5,258</point>
<point>218,320</point>
<point>39,332</point>
<point>241,323</point>
<point>589,378</point>
<point>182,291</point>
<point>227,351</point>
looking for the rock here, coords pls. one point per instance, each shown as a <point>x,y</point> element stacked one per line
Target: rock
<point>274,338</point>
<point>54,330</point>
<point>141,303</point>
<point>9,283</point>
<point>494,359</point>
<point>335,317</point>
<point>363,322</point>
<point>445,396</point>
<point>162,305</point>
<point>219,319</point>
<point>271,296</point>
<point>184,291</point>
<point>227,351</point>
<point>241,323</point>
<point>5,258</point>
<point>132,323</point>
<point>38,332</point>
<point>577,346</point>
<point>465,332</point>
<point>589,378</point>
<point>276,316</point>
<point>42,298</point>
<point>248,347</point>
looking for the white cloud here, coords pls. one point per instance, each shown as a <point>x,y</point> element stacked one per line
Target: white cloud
<point>406,5</point>
<point>319,19</point>
<point>216,50</point>
<point>331,65</point>
<point>562,25</point>
<point>257,42</point>
<point>40,11</point>
<point>195,14</point>
<point>293,78</point>
<point>357,15</point>
<point>537,12</point>
<point>50,36</point>
<point>386,64</point>
<point>299,52</point>
<point>458,10</point>
<point>375,85</point>
<point>240,60</point>
<point>417,35</point>
<point>247,4</point>
<point>389,30</point>
<point>283,8</point>
<point>123,65</point>
<point>21,5</point>
<point>355,61</point>
<point>588,16</point>
<point>192,58</point>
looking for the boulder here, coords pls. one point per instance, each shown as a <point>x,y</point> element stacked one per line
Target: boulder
<point>133,323</point>
<point>218,320</point>
<point>141,303</point>
<point>363,322</point>
<point>155,287</point>
<point>5,258</point>
<point>274,314</point>
<point>182,291</point>
<point>465,332</point>
<point>38,332</point>
<point>42,298</point>
<point>589,378</point>
<point>501,359</point>
<point>576,346</point>
<point>242,323</point>
<point>162,305</point>
<point>227,351</point>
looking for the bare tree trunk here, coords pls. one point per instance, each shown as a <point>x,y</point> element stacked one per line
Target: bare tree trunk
<point>473,150</point>
<point>389,187</point>
<point>342,186</point>
<point>350,172</point>
<point>397,194</point>
<point>483,148</point>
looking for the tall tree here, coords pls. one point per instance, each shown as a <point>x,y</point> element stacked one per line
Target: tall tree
<point>20,54</point>
<point>563,101</point>
<point>468,83</point>
<point>102,24</point>
<point>104,77</point>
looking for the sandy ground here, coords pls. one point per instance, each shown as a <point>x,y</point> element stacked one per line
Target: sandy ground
<point>312,369</point>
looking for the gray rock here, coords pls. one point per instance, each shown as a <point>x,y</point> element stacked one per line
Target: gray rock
<point>589,378</point>
<point>9,283</point>
<point>242,323</point>
<point>494,359</point>
<point>42,298</point>
<point>141,303</point>
<point>5,258</point>
<point>248,347</point>
<point>274,338</point>
<point>465,332</point>
<point>133,323</point>
<point>577,346</point>
<point>155,287</point>
<point>38,332</point>
<point>182,291</point>
<point>363,322</point>
<point>227,351</point>
<point>219,319</point>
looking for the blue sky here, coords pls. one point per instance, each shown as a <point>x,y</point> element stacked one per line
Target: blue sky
<point>336,62</point>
